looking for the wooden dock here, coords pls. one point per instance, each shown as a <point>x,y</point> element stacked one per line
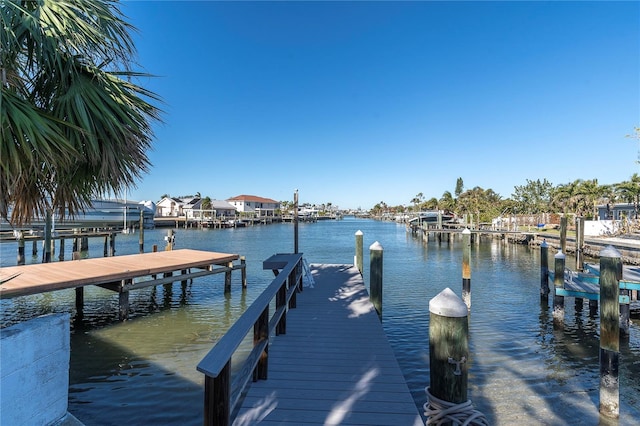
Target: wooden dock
<point>119,273</point>
<point>334,365</point>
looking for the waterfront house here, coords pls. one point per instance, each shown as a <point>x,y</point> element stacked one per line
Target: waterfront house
<point>169,207</point>
<point>218,209</point>
<point>251,205</point>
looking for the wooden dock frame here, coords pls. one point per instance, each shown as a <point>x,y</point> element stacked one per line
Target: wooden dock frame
<point>120,274</point>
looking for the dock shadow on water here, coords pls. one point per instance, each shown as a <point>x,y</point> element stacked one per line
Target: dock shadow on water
<point>522,370</point>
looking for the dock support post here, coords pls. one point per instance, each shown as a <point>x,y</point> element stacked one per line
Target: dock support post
<point>563,234</point>
<point>79,292</point>
<point>375,268</point>
<point>112,244</point>
<point>610,265</point>
<point>448,348</point>
<point>123,301</point>
<point>21,258</point>
<point>466,267</point>
<point>359,250</point>
<point>141,235</point>
<point>558,282</point>
<point>61,255</point>
<point>227,278</point>
<point>34,248</point>
<point>243,271</point>
<point>544,272</point>
<point>217,398</point>
<point>580,243</point>
<point>261,333</point>
<point>46,255</point>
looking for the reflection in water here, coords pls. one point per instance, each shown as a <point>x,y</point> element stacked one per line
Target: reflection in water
<point>521,369</point>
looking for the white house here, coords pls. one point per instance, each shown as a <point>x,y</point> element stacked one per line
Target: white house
<point>258,206</point>
<point>169,206</point>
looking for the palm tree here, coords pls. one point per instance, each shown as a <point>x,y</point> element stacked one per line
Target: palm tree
<point>630,191</point>
<point>74,126</point>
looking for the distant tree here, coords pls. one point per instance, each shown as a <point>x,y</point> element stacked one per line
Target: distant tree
<point>534,197</point>
<point>206,203</point>
<point>459,187</point>
<point>447,202</point>
<point>564,197</point>
<point>417,200</point>
<point>630,191</point>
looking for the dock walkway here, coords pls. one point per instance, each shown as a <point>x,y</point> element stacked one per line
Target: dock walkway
<point>334,365</point>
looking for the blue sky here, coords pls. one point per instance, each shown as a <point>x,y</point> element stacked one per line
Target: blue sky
<point>355,103</point>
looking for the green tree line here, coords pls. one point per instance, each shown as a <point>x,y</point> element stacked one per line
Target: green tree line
<point>580,197</point>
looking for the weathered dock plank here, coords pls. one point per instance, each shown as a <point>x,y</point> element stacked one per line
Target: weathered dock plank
<point>334,365</point>
<point>43,277</point>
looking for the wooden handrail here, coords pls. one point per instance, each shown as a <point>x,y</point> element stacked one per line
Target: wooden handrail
<point>221,395</point>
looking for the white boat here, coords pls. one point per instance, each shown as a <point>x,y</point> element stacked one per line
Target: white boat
<point>101,214</point>
<point>431,217</point>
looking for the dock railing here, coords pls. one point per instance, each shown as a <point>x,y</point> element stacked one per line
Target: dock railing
<point>221,395</point>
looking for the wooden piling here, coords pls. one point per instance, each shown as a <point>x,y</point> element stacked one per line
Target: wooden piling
<point>123,301</point>
<point>112,244</point>
<point>610,265</point>
<point>558,282</point>
<point>46,255</point>
<point>227,278</point>
<point>79,291</point>
<point>141,234</point>
<point>466,267</point>
<point>544,271</point>
<point>21,258</point>
<point>563,234</point>
<point>580,243</point>
<point>243,271</point>
<point>375,284</point>
<point>448,347</point>
<point>359,251</point>
<point>170,238</point>
<point>61,255</point>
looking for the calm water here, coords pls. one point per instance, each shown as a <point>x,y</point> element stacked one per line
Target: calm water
<point>521,370</point>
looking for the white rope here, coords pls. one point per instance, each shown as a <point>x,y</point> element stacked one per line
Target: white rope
<point>440,412</point>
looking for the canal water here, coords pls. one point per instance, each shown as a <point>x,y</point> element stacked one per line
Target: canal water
<point>522,370</point>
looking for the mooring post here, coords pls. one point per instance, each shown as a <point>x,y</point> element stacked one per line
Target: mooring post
<point>448,347</point>
<point>558,282</point>
<point>610,263</point>
<point>359,250</point>
<point>243,271</point>
<point>375,284</point>
<point>563,234</point>
<point>544,271</point>
<point>227,278</point>
<point>112,244</point>
<point>123,300</point>
<point>466,267</point>
<point>61,255</point>
<point>34,248</point>
<point>141,235</point>
<point>79,291</point>
<point>170,238</point>
<point>20,237</point>
<point>46,255</point>
<point>580,243</point>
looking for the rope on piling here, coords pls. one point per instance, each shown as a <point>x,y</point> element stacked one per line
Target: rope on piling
<point>440,412</point>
